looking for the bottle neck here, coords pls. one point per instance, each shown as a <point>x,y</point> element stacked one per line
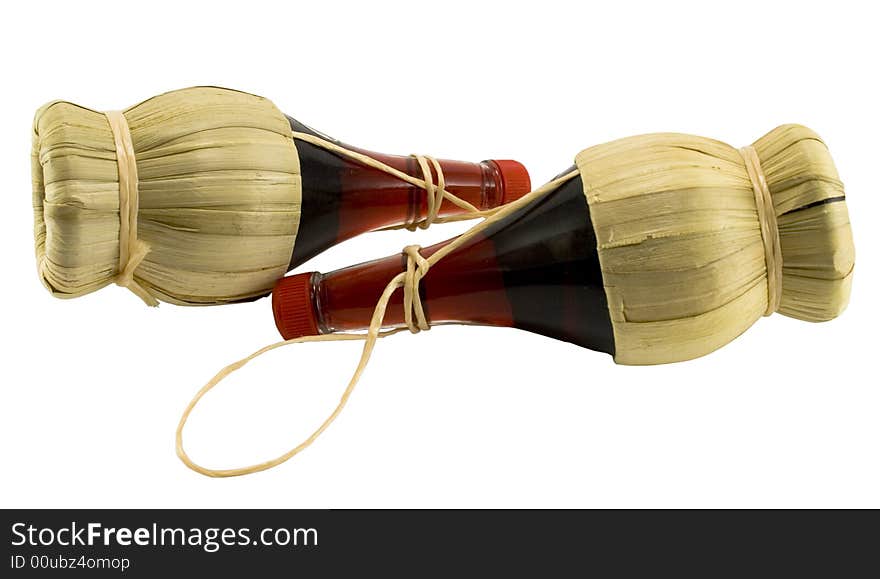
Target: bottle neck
<point>343,198</point>
<point>537,269</point>
<point>466,287</point>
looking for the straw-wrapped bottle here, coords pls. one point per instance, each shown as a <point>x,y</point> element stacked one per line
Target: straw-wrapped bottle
<point>209,195</point>
<point>656,248</point>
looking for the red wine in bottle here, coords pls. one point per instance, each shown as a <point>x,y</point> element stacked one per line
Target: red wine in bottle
<point>343,198</point>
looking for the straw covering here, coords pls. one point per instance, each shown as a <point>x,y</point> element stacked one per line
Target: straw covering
<point>680,242</point>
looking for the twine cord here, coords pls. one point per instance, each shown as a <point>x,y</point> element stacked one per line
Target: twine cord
<point>416,268</point>
<point>769,228</point>
<point>132,250</point>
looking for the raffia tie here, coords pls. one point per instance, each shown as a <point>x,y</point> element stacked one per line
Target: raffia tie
<point>769,228</point>
<point>132,250</point>
<point>435,193</point>
<point>417,266</point>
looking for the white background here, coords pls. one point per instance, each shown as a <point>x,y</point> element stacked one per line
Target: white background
<point>786,416</point>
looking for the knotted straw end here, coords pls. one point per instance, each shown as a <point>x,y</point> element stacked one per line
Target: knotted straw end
<point>126,277</point>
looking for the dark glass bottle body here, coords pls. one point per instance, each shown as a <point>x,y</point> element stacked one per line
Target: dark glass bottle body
<point>537,269</point>
<point>343,198</point>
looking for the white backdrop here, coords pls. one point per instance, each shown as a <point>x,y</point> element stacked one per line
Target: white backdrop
<point>786,416</point>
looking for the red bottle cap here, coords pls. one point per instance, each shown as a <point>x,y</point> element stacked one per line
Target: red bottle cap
<point>514,177</point>
<point>293,306</point>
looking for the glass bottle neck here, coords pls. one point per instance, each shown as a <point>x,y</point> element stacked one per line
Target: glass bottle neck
<point>466,287</point>
<point>343,198</point>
